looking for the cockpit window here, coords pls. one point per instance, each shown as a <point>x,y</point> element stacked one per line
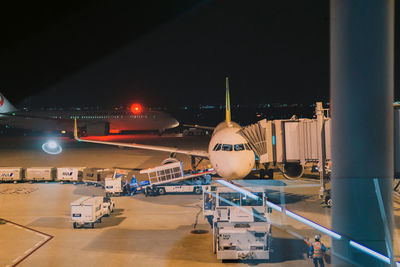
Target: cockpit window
<point>226,147</point>
<point>238,147</point>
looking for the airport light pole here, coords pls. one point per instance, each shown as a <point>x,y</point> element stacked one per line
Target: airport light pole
<point>362,127</point>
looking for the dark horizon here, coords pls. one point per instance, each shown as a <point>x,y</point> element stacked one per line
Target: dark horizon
<point>159,54</point>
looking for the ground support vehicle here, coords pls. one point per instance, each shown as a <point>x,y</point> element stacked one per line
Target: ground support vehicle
<point>108,206</point>
<point>11,174</point>
<point>170,178</point>
<point>113,186</point>
<point>86,211</point>
<point>118,185</point>
<point>241,224</point>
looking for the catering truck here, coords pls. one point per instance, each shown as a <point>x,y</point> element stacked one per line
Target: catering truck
<point>241,225</point>
<point>87,211</point>
<point>170,178</point>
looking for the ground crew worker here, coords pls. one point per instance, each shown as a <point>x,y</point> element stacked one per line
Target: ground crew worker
<point>317,250</point>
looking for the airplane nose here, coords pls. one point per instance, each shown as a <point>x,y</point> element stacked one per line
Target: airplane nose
<point>173,123</point>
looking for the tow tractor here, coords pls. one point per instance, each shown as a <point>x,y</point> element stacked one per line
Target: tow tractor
<point>241,224</point>
<point>170,178</point>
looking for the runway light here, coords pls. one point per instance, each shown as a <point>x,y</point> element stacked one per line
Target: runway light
<point>370,252</point>
<point>52,147</point>
<point>313,224</point>
<point>238,189</point>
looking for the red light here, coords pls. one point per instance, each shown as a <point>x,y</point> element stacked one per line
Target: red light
<point>136,108</point>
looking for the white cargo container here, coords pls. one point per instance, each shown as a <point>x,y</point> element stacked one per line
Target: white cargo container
<point>113,186</point>
<point>87,211</point>
<point>11,174</point>
<point>39,174</point>
<point>91,175</point>
<point>71,174</point>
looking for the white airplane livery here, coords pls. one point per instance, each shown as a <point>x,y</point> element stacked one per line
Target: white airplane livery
<point>91,122</point>
<point>229,153</point>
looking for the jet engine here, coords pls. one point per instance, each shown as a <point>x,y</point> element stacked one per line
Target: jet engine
<point>169,160</point>
<point>98,128</point>
<point>292,170</point>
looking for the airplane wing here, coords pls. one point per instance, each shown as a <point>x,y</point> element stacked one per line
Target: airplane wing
<point>196,153</point>
<point>199,127</point>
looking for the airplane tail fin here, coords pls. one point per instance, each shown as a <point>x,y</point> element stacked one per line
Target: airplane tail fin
<point>76,131</point>
<point>227,102</point>
<point>5,105</point>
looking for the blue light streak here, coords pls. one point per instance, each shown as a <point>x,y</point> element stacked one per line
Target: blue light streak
<point>370,252</point>
<point>312,224</point>
<point>238,189</point>
<point>308,222</point>
<point>274,206</point>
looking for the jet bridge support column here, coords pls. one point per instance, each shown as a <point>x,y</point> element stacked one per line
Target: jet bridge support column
<point>362,127</point>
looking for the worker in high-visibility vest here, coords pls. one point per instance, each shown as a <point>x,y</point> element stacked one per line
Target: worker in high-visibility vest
<point>317,250</point>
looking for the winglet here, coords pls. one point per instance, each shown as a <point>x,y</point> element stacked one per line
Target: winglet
<point>227,102</point>
<point>76,131</point>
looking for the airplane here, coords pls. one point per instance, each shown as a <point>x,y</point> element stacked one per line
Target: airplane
<point>228,152</point>
<point>91,122</point>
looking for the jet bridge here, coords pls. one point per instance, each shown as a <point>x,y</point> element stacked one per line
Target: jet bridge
<point>290,144</point>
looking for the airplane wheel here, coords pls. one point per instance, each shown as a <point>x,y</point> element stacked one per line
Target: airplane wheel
<point>161,191</point>
<point>197,190</point>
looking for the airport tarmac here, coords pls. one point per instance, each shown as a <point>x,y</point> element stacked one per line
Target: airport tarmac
<point>142,231</point>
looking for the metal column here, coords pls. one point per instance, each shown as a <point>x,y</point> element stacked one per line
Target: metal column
<point>362,125</point>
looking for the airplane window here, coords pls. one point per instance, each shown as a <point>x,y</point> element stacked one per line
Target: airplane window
<point>239,147</point>
<point>215,147</point>
<point>226,147</point>
<point>219,147</point>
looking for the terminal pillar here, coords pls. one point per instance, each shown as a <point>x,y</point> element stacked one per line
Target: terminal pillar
<point>362,127</point>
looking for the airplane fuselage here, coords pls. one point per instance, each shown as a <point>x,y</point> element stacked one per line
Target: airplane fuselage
<point>229,153</point>
<point>117,121</point>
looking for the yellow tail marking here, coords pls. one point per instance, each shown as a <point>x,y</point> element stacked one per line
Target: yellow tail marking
<point>227,102</point>
<point>76,131</point>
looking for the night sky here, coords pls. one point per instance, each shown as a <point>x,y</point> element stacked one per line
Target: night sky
<point>164,53</point>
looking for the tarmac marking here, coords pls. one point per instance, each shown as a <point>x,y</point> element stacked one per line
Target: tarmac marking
<point>42,235</point>
<point>17,259</point>
<point>27,253</point>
